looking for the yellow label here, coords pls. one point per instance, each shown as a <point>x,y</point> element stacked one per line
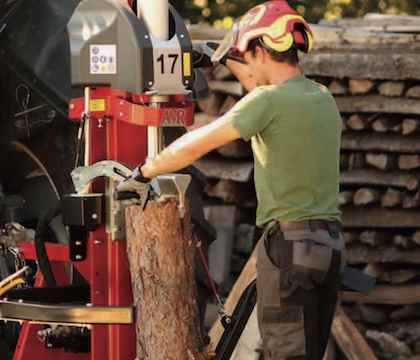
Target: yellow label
<point>97,105</point>
<point>187,64</point>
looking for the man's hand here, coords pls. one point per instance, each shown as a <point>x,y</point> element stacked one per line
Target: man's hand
<point>136,183</point>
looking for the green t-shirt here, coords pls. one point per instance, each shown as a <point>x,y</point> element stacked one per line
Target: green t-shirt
<point>295,132</point>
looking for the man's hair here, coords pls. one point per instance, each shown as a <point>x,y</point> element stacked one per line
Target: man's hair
<point>289,56</point>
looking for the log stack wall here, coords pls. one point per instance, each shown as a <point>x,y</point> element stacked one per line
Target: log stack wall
<point>371,66</point>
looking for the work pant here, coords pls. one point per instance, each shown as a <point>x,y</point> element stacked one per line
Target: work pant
<point>298,278</point>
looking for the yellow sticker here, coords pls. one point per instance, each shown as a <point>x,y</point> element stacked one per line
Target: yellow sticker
<point>97,105</point>
<point>187,64</point>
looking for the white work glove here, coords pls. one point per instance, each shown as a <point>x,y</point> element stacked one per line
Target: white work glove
<point>135,185</point>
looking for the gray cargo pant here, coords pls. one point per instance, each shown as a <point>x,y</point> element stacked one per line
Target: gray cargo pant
<point>298,278</point>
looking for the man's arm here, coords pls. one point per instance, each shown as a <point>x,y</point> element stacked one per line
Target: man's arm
<point>190,147</point>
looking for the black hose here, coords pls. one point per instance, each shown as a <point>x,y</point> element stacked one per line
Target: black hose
<point>40,239</point>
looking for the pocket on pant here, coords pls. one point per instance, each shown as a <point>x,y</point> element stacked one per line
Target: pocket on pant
<point>310,264</point>
<point>283,332</point>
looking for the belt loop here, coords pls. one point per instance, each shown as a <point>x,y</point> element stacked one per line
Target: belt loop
<point>333,229</point>
<point>312,226</point>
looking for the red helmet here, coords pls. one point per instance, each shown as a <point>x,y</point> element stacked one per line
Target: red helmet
<point>275,22</point>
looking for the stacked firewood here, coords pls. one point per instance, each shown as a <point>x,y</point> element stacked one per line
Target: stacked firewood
<point>371,66</point>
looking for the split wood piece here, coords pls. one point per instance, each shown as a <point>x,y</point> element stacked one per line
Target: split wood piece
<point>349,339</point>
<point>373,314</point>
<point>413,92</point>
<point>201,119</point>
<point>161,259</point>
<point>344,161</point>
<point>351,237</point>
<point>410,126</point>
<point>377,103</point>
<point>212,105</point>
<point>387,295</point>
<point>227,87</point>
<point>375,238</point>
<point>408,311</point>
<point>359,63</point>
<point>228,104</point>
<point>371,19</point>
<point>344,123</point>
<point>411,201</point>
<point>357,161</point>
<point>374,217</point>
<point>399,276</point>
<point>222,72</point>
<point>382,161</point>
<point>374,269</point>
<point>392,198</point>
<point>361,86</point>
<point>387,254</point>
<point>416,237</point>
<point>358,122</point>
<point>247,275</point>
<point>367,196</point>
<point>385,124</point>
<point>238,149</point>
<point>392,88</point>
<point>408,162</point>
<point>239,171</point>
<point>402,241</point>
<point>338,87</point>
<point>386,142</point>
<point>233,192</point>
<point>400,179</point>
<point>345,197</point>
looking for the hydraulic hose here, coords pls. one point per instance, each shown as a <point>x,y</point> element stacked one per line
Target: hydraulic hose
<point>40,239</point>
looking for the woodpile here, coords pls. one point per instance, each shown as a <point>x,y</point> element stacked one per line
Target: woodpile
<point>371,66</point>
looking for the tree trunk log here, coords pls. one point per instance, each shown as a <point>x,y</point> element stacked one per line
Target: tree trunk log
<point>161,256</point>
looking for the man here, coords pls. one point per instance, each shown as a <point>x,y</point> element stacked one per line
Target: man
<point>295,129</point>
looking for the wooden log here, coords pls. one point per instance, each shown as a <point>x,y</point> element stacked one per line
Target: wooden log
<point>386,142</point>
<point>365,254</point>
<point>408,162</point>
<point>410,126</point>
<point>399,276</point>
<point>373,314</point>
<point>228,104</point>
<point>338,87</point>
<point>345,197</point>
<point>374,269</point>
<point>377,103</point>
<point>408,311</point>
<point>400,179</point>
<point>375,238</point>
<point>344,161</point>
<point>416,237</point>
<point>361,86</point>
<point>413,92</point>
<point>358,122</point>
<point>227,87</point>
<point>366,196</point>
<point>233,192</point>
<point>219,168</point>
<point>387,295</point>
<point>391,88</point>
<point>357,161</point>
<point>382,161</point>
<point>212,105</point>
<point>411,201</point>
<point>383,22</point>
<point>222,72</point>
<point>402,241</point>
<point>392,198</point>
<point>161,259</point>
<point>385,124</point>
<point>362,64</point>
<point>237,149</point>
<point>351,237</point>
<point>349,339</point>
<point>362,217</point>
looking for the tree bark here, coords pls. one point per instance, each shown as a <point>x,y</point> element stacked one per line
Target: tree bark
<point>160,255</point>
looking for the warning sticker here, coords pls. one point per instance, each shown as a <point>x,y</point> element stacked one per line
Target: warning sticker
<point>103,59</point>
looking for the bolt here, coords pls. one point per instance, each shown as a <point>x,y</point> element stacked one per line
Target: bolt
<point>94,216</point>
<point>49,345</point>
<point>182,36</point>
<point>121,114</point>
<point>78,243</point>
<point>98,292</point>
<point>97,242</point>
<point>146,36</point>
<point>79,257</point>
<point>72,106</point>
<point>150,83</point>
<point>187,82</point>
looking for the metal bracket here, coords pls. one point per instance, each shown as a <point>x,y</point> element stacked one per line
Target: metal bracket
<point>173,186</point>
